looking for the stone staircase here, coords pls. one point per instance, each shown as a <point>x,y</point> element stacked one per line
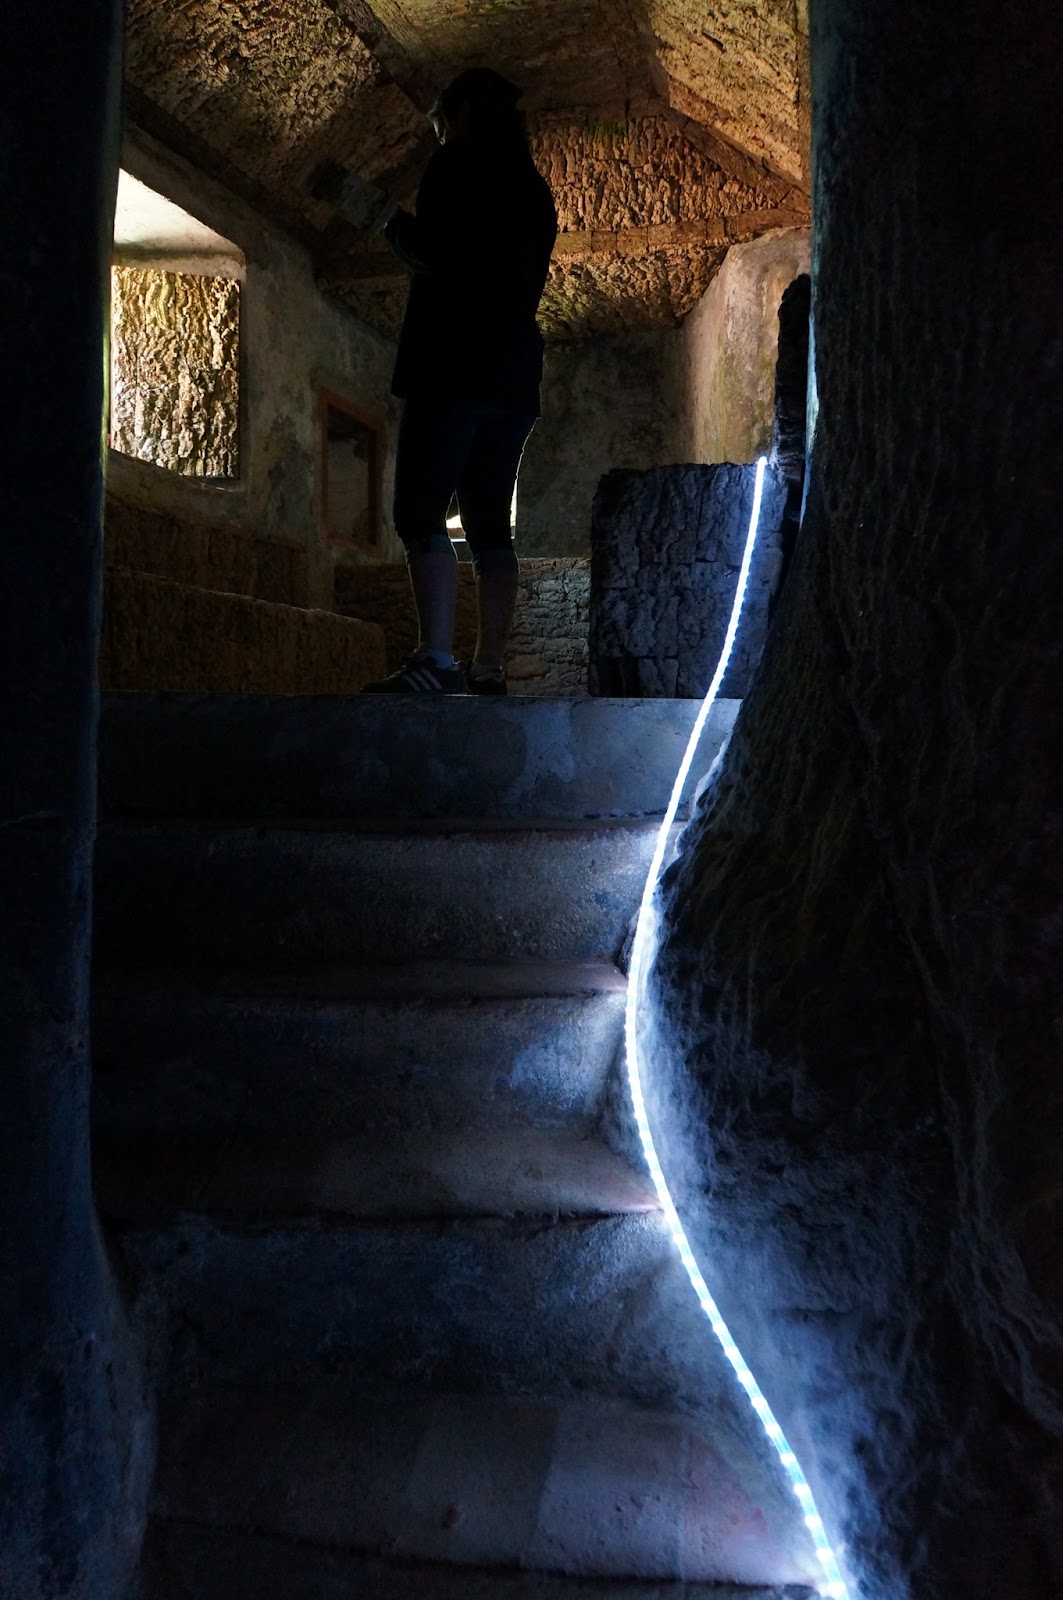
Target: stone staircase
<point>362,1149</point>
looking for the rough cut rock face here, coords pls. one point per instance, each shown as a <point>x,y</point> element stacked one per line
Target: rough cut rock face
<point>640,173</point>
<point>665,139</point>
<point>666,549</point>
<point>258,80</point>
<point>740,66</point>
<point>856,1005</point>
<point>175,370</point>
<point>645,219</point>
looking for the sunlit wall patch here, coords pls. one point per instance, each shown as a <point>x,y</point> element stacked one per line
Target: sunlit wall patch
<point>644,942</point>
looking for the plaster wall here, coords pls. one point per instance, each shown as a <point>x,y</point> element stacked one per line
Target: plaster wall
<point>294,343</point>
<point>702,392</point>
<point>730,343</point>
<point>607,402</point>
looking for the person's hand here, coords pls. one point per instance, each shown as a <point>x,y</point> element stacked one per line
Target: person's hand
<point>359,202</point>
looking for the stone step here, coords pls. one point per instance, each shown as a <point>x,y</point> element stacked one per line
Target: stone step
<point>470,892</point>
<point>159,634</point>
<point>439,1047</point>
<point>187,1562</point>
<point>513,1172</point>
<point>230,756</point>
<point>431,1091</point>
<point>495,1306</point>
<point>569,1487</point>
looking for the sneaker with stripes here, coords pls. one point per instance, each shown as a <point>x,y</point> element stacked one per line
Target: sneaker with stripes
<point>420,673</point>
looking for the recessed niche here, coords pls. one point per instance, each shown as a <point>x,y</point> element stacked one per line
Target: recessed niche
<point>350,474</point>
<point>175,338</point>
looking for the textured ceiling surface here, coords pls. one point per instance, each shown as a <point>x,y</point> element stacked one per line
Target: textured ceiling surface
<point>667,129</point>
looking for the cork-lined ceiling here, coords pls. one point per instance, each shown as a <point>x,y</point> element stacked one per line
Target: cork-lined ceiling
<point>668,129</point>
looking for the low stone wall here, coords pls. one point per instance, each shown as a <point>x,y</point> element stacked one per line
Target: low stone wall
<point>161,635</point>
<point>206,555</point>
<point>667,546</point>
<point>548,647</point>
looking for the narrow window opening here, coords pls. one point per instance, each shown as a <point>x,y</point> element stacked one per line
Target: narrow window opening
<point>175,338</point>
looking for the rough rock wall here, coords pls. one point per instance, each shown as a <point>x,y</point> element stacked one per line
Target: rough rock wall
<point>744,66</point>
<point>296,342</point>
<point>76,1436</point>
<point>635,173</point>
<point>264,80</point>
<point>615,402</point>
<point>175,370</point>
<point>730,343</point>
<point>162,636</point>
<point>858,993</point>
<point>548,645</point>
<point>666,550</point>
<point>207,555</point>
<point>645,218</point>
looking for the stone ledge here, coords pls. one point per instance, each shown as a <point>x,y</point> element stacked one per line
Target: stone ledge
<point>206,554</point>
<point>217,1563</point>
<point>160,635</point>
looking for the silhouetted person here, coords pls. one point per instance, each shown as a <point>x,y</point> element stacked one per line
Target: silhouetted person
<point>468,370</point>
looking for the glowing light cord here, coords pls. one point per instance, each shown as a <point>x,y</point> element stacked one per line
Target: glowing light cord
<point>835,1586</point>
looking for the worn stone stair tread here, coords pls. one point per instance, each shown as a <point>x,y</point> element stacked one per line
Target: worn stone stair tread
<point>186,1561</point>
<point>567,1486</point>
<point>256,755</point>
<point>290,1173</point>
<point>515,1306</point>
<point>363,983</point>
<point>387,827</point>
<point>240,895</point>
<point>420,1052</point>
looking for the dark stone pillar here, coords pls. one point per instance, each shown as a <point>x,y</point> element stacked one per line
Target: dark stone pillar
<point>858,992</point>
<point>73,1431</point>
<point>666,549</point>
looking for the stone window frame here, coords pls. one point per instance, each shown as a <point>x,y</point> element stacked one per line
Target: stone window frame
<point>330,400</point>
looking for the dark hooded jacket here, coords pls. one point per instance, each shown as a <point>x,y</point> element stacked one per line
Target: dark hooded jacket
<point>478,248</point>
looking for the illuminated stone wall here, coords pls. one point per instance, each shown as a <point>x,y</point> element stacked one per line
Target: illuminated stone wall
<point>175,370</point>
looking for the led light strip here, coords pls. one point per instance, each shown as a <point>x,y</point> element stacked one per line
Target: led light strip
<point>835,1586</point>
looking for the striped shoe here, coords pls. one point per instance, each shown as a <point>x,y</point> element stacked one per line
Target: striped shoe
<point>419,674</point>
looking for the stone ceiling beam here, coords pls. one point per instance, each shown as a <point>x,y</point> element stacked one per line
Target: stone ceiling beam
<point>693,113</point>
<point>375,267</point>
<point>142,113</point>
<point>366,22</point>
<point>749,170</point>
